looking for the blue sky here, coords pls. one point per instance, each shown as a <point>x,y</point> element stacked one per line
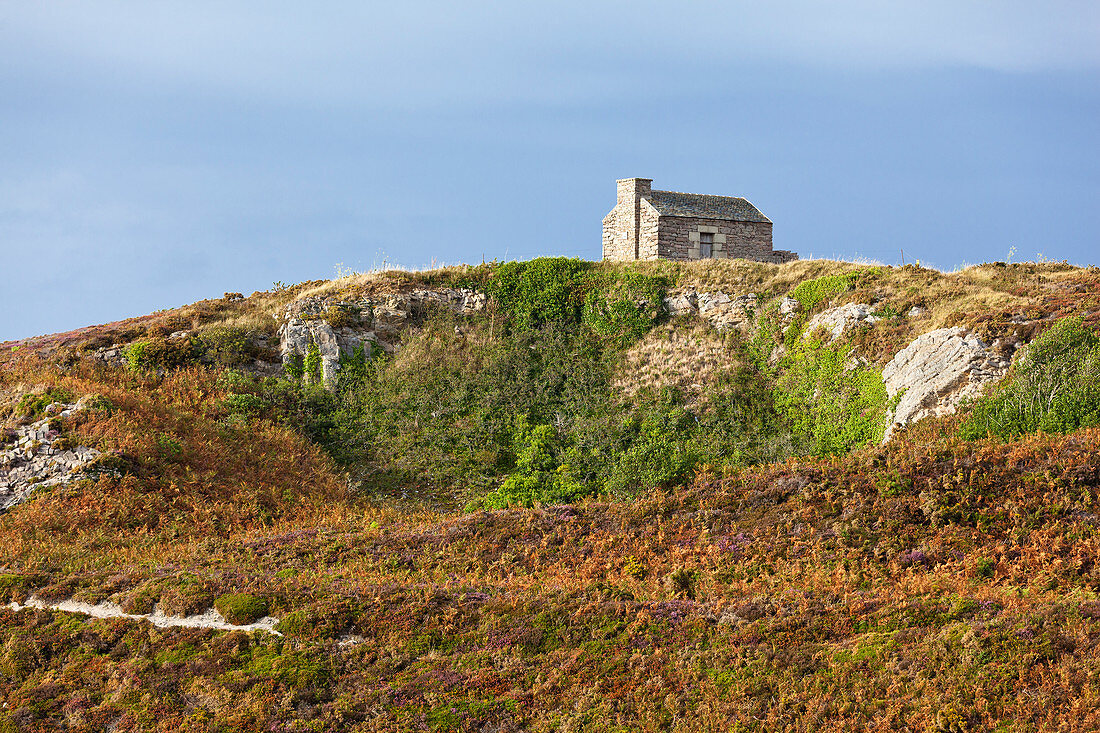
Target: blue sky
<point>152,154</point>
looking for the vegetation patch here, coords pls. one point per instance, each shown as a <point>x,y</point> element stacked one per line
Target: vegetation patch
<point>1054,387</point>
<point>241,608</point>
<point>811,293</point>
<point>34,405</point>
<point>833,401</point>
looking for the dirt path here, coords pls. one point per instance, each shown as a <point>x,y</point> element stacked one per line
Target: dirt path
<point>210,619</point>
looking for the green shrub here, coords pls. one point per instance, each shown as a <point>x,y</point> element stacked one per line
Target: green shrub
<point>311,365</point>
<point>660,452</point>
<point>624,307</point>
<point>297,668</point>
<point>226,345</point>
<point>248,405</point>
<point>34,405</point>
<point>566,292</point>
<point>168,448</point>
<point>20,655</point>
<point>99,403</point>
<point>1053,387</point>
<point>833,403</point>
<point>340,316</point>
<point>541,474</point>
<point>810,293</point>
<point>142,599</point>
<point>294,367</point>
<point>14,586</point>
<point>241,608</point>
<point>540,291</point>
<point>294,624</point>
<point>160,353</point>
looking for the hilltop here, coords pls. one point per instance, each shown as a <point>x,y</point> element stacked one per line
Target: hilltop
<point>559,495</point>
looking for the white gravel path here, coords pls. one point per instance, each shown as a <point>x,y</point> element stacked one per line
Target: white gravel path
<point>210,619</point>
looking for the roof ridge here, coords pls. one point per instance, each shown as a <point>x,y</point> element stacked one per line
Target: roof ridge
<point>689,193</point>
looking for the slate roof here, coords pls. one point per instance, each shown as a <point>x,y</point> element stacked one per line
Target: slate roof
<point>729,208</point>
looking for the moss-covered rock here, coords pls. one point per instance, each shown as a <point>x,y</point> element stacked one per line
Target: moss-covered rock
<point>241,608</point>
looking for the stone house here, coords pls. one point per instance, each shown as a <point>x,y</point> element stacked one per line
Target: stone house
<point>668,225</point>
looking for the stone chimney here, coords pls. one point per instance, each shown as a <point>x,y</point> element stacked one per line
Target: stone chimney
<point>629,193</point>
<point>632,189</point>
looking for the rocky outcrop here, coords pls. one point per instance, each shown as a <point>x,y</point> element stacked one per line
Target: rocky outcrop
<point>939,370</point>
<point>40,456</point>
<point>836,321</point>
<point>340,327</point>
<point>722,310</point>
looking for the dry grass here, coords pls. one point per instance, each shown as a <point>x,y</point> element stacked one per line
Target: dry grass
<point>392,280</point>
<point>686,354</point>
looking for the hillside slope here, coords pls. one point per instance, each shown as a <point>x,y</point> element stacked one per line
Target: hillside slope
<point>565,496</point>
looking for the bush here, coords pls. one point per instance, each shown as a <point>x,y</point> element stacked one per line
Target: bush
<point>34,405</point>
<point>1054,387</point>
<point>226,345</point>
<point>15,587</point>
<point>248,405</point>
<point>810,293</point>
<point>625,306</point>
<point>541,475</point>
<point>566,292</point>
<point>160,353</point>
<point>541,291</point>
<point>99,403</point>
<point>168,448</point>
<point>339,316</point>
<point>833,404</point>
<point>311,365</point>
<point>241,608</point>
<point>661,451</point>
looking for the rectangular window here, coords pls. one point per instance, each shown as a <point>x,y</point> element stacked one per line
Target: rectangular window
<point>706,245</point>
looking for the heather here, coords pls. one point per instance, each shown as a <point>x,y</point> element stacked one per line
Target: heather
<point>575,512</point>
<point>936,582</point>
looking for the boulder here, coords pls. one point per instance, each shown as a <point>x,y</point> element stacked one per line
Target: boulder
<point>725,312</point>
<point>937,371</point>
<point>680,304</point>
<point>788,307</point>
<point>838,320</point>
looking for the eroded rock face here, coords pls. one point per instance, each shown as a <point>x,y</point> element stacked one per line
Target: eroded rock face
<point>938,370</point>
<point>838,320</point>
<point>340,327</point>
<point>38,456</point>
<point>724,311</point>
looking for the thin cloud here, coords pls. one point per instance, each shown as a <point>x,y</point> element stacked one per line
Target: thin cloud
<point>415,51</point>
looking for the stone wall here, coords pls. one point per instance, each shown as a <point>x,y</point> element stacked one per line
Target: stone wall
<point>679,239</point>
<point>649,223</point>
<point>617,243</point>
